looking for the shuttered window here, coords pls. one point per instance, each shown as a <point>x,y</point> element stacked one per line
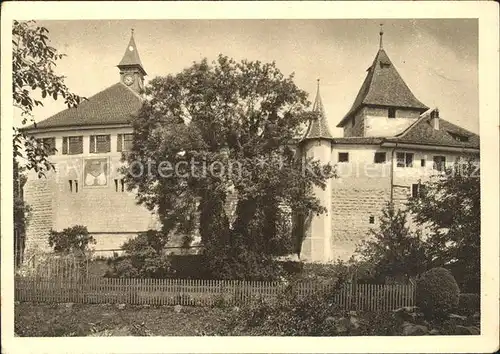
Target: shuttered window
<point>100,144</point>
<point>124,142</point>
<point>49,144</point>
<point>72,145</point>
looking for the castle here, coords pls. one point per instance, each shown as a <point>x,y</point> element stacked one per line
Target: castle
<point>391,141</point>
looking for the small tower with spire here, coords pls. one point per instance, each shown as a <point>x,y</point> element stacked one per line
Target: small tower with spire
<point>384,105</point>
<point>317,144</point>
<point>131,70</point>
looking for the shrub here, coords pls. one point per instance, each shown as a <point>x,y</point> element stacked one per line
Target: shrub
<point>437,293</point>
<point>75,238</point>
<point>468,304</point>
<point>144,257</point>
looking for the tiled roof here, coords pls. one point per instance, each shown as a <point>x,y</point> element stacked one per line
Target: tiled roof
<point>383,86</point>
<point>422,132</point>
<point>318,128</point>
<point>358,140</point>
<point>131,56</point>
<point>114,105</point>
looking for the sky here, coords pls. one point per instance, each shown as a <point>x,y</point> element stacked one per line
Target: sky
<point>437,58</point>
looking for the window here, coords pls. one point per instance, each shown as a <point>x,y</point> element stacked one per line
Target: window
<point>100,143</point>
<point>372,220</point>
<point>49,144</point>
<point>379,157</point>
<point>422,163</point>
<point>417,190</point>
<point>343,157</point>
<point>124,142</point>
<point>73,186</point>
<point>459,137</point>
<point>404,159</point>
<point>439,163</point>
<point>118,183</point>
<point>72,145</point>
<point>392,112</point>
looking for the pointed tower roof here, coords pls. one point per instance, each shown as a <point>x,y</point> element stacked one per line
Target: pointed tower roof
<point>383,86</point>
<point>318,128</point>
<point>131,57</point>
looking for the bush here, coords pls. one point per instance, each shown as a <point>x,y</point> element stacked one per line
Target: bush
<point>75,238</point>
<point>468,304</point>
<point>437,293</point>
<point>293,314</point>
<point>144,257</point>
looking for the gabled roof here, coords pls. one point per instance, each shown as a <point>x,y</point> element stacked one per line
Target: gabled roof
<point>131,57</point>
<point>423,133</point>
<point>318,128</point>
<point>383,86</point>
<point>115,105</point>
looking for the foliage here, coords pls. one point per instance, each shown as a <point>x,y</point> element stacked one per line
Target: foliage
<point>219,130</point>
<point>290,314</point>
<point>71,239</point>
<point>437,293</point>
<point>22,212</point>
<point>144,257</point>
<point>393,250</point>
<point>469,304</point>
<point>33,62</point>
<point>450,207</point>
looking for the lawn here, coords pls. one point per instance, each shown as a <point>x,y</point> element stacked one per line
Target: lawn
<point>61,320</point>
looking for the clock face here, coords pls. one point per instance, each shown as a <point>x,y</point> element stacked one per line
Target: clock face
<point>128,80</point>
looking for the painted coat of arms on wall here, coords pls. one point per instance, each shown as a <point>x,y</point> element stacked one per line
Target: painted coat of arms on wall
<point>95,172</point>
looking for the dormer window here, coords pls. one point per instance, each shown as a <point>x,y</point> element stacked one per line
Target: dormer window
<point>459,137</point>
<point>392,112</point>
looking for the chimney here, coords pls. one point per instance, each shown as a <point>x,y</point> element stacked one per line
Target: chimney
<point>435,119</point>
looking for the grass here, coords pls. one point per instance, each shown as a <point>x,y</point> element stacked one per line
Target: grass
<point>57,320</point>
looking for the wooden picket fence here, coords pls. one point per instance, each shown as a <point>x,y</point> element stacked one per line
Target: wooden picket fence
<point>90,290</point>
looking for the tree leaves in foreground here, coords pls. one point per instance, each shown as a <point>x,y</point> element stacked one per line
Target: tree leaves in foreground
<point>218,131</point>
<point>33,62</point>
<point>450,207</point>
<point>394,250</point>
<point>33,75</point>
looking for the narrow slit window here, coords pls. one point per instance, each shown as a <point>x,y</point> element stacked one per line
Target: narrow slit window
<point>392,112</point>
<point>76,186</point>
<point>422,162</point>
<point>123,185</point>
<point>70,185</point>
<point>116,185</point>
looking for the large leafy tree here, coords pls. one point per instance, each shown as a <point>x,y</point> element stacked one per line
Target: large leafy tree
<point>395,249</point>
<point>33,79</point>
<point>219,130</point>
<point>450,207</point>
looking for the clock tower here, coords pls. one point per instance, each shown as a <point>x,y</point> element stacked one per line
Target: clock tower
<point>131,70</point>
